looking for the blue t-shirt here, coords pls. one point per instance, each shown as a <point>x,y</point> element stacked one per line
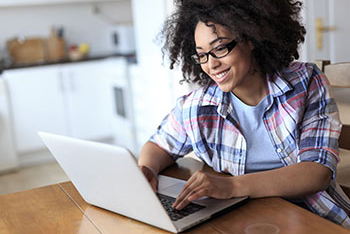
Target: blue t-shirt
<point>261,155</point>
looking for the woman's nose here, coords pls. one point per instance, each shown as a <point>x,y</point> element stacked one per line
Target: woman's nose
<point>213,62</point>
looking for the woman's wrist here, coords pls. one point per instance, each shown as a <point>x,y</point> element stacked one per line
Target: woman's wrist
<point>239,187</point>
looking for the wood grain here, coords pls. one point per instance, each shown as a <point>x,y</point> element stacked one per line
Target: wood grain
<point>288,217</point>
<point>61,209</point>
<point>109,222</point>
<point>42,211</point>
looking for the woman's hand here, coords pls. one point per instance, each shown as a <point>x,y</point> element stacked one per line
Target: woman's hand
<point>203,184</point>
<point>151,176</point>
<point>152,160</point>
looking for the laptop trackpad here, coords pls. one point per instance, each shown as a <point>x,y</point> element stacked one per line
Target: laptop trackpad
<point>170,186</point>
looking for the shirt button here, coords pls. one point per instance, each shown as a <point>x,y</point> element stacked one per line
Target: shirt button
<point>279,150</point>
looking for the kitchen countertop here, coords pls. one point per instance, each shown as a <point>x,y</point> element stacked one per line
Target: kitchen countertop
<point>131,57</point>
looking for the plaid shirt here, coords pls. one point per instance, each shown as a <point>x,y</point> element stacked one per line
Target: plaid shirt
<point>301,119</point>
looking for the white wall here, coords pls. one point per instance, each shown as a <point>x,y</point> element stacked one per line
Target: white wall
<point>154,86</point>
<point>78,20</point>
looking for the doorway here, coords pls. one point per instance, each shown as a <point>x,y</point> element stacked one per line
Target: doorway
<point>328,30</point>
<point>328,33</point>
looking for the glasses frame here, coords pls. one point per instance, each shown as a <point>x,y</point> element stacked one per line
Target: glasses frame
<point>229,47</point>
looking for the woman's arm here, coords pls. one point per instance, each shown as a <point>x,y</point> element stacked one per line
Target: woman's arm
<point>152,160</point>
<point>292,181</point>
<point>154,157</point>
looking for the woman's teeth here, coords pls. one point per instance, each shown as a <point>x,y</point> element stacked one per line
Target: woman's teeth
<point>221,74</point>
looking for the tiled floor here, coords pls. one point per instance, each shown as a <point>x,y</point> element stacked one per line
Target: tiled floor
<point>32,177</point>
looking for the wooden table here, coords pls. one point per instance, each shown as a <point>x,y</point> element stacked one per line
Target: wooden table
<point>59,208</point>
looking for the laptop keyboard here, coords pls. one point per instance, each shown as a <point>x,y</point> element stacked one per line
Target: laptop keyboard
<point>177,214</point>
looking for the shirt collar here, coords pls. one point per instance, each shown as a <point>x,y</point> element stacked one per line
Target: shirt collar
<point>277,85</point>
<point>213,96</point>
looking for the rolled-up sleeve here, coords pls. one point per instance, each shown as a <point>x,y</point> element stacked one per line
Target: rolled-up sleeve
<point>321,126</point>
<point>171,134</point>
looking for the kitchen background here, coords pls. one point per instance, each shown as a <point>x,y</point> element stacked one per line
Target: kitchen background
<point>90,69</point>
<point>93,23</point>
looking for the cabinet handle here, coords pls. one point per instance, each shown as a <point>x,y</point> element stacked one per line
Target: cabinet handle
<point>61,82</point>
<point>72,81</point>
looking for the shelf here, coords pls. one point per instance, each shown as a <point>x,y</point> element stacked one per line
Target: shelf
<point>21,3</point>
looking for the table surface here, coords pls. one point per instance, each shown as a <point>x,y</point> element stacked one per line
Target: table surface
<point>59,208</point>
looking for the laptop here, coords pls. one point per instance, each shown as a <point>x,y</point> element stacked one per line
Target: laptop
<point>108,176</point>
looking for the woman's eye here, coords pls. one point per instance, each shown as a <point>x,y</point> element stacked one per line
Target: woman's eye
<point>201,55</point>
<point>220,48</point>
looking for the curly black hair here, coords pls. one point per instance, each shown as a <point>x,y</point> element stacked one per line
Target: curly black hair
<point>272,26</point>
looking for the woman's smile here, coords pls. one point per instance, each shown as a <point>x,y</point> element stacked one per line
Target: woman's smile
<point>221,76</point>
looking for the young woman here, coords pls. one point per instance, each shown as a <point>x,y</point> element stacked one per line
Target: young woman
<point>266,120</point>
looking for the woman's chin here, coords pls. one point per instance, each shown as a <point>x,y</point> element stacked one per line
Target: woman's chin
<point>225,87</point>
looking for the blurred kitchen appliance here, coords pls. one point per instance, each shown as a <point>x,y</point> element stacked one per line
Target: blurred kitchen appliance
<point>123,118</point>
<point>8,157</point>
<point>26,50</point>
<point>122,39</point>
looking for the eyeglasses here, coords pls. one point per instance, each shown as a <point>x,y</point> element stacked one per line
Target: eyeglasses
<point>217,52</point>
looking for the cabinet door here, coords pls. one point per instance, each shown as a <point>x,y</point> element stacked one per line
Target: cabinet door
<point>23,3</point>
<point>8,159</point>
<point>89,100</point>
<point>37,104</point>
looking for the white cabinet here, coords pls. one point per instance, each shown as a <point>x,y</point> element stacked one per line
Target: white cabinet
<point>89,99</point>
<point>8,159</point>
<point>70,99</point>
<point>37,104</point>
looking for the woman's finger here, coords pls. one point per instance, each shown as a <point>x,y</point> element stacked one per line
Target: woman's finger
<point>195,194</point>
<point>191,188</point>
<point>183,194</point>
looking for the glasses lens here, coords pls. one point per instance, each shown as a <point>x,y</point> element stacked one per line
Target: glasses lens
<point>220,51</point>
<point>199,58</point>
<point>195,58</point>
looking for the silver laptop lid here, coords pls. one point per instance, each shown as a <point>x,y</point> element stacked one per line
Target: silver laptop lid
<point>103,175</point>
